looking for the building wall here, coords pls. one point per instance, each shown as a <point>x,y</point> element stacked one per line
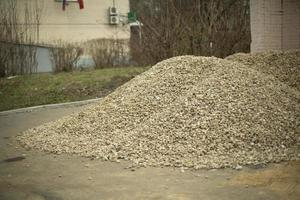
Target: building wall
<point>275,25</point>
<point>69,26</point>
<point>291,25</point>
<point>75,25</point>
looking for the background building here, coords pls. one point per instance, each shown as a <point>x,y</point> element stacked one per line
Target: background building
<point>275,24</point>
<point>74,24</point>
<point>41,25</point>
<point>77,25</point>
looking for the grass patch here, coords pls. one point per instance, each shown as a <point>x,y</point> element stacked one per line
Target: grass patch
<point>39,89</point>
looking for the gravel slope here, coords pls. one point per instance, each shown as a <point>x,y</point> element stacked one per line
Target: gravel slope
<point>186,111</point>
<point>283,65</point>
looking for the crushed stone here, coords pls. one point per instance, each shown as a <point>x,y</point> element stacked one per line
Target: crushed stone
<point>186,111</point>
<point>284,65</point>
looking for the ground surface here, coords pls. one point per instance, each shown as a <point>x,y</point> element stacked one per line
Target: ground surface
<point>42,176</point>
<point>39,89</point>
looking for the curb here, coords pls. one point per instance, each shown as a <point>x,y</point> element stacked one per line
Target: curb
<point>58,105</point>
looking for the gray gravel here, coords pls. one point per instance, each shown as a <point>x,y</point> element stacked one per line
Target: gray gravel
<point>187,111</point>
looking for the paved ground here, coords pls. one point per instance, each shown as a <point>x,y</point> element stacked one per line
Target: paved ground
<point>42,176</point>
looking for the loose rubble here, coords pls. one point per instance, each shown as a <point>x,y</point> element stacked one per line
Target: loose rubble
<point>187,111</point>
<point>283,65</point>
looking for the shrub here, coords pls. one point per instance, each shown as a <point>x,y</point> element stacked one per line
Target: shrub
<point>109,52</point>
<point>64,56</point>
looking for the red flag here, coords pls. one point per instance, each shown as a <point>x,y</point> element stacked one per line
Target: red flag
<point>81,6</point>
<point>64,4</point>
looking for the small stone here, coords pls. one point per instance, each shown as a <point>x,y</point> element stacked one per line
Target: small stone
<point>238,167</point>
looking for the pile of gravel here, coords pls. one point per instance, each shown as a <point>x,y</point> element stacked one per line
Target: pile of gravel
<point>186,111</point>
<point>283,65</point>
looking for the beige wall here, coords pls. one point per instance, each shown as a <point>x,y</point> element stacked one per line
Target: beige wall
<point>275,25</point>
<point>75,25</point>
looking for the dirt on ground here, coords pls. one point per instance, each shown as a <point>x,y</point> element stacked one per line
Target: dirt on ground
<point>280,178</point>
